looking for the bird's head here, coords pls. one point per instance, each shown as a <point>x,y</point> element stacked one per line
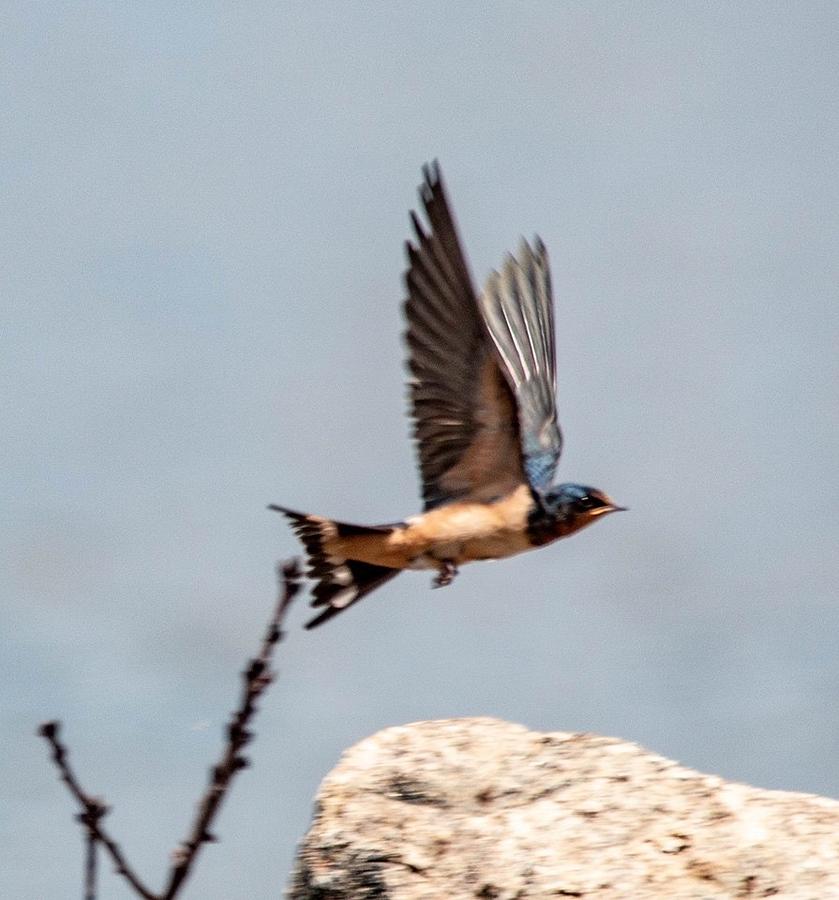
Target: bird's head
<point>573,506</point>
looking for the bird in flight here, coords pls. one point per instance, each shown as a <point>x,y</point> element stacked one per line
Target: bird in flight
<point>483,400</point>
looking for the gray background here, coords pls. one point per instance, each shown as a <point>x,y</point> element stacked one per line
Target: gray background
<point>203,213</point>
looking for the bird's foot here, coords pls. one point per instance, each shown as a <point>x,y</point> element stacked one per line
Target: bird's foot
<point>448,570</point>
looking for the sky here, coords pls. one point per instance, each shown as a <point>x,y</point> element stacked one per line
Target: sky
<point>204,209</point>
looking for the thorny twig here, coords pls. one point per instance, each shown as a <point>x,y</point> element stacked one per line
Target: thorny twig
<point>256,678</point>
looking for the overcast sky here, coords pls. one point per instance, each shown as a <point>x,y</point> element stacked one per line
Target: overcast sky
<point>204,206</point>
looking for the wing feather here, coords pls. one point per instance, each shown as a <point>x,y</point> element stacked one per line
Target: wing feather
<point>517,305</point>
<point>466,426</point>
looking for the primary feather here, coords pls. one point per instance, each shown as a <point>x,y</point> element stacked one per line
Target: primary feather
<point>465,422</point>
<point>517,307</point>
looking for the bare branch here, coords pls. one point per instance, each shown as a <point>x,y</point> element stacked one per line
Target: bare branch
<point>90,867</point>
<point>256,678</point>
<point>93,811</point>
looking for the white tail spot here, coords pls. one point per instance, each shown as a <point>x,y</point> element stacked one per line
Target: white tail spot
<point>341,575</point>
<point>344,598</point>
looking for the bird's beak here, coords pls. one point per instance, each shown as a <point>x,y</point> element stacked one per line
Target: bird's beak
<point>605,510</point>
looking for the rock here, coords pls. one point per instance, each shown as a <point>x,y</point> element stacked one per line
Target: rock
<point>481,808</point>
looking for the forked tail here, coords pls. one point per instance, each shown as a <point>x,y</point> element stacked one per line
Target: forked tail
<point>340,581</point>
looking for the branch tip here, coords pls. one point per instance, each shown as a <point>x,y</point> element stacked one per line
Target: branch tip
<point>290,569</point>
<point>49,730</point>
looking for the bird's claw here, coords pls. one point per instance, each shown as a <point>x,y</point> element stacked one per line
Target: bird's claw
<point>446,574</point>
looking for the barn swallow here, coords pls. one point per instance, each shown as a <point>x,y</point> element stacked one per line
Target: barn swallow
<point>483,399</point>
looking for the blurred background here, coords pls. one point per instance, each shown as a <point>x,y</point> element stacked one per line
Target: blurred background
<point>204,211</point>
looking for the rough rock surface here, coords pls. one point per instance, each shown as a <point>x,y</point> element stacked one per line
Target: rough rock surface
<point>481,808</point>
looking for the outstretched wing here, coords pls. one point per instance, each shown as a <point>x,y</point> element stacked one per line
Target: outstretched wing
<point>517,306</point>
<point>466,426</point>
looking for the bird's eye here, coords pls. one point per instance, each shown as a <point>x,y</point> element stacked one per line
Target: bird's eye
<point>588,502</point>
